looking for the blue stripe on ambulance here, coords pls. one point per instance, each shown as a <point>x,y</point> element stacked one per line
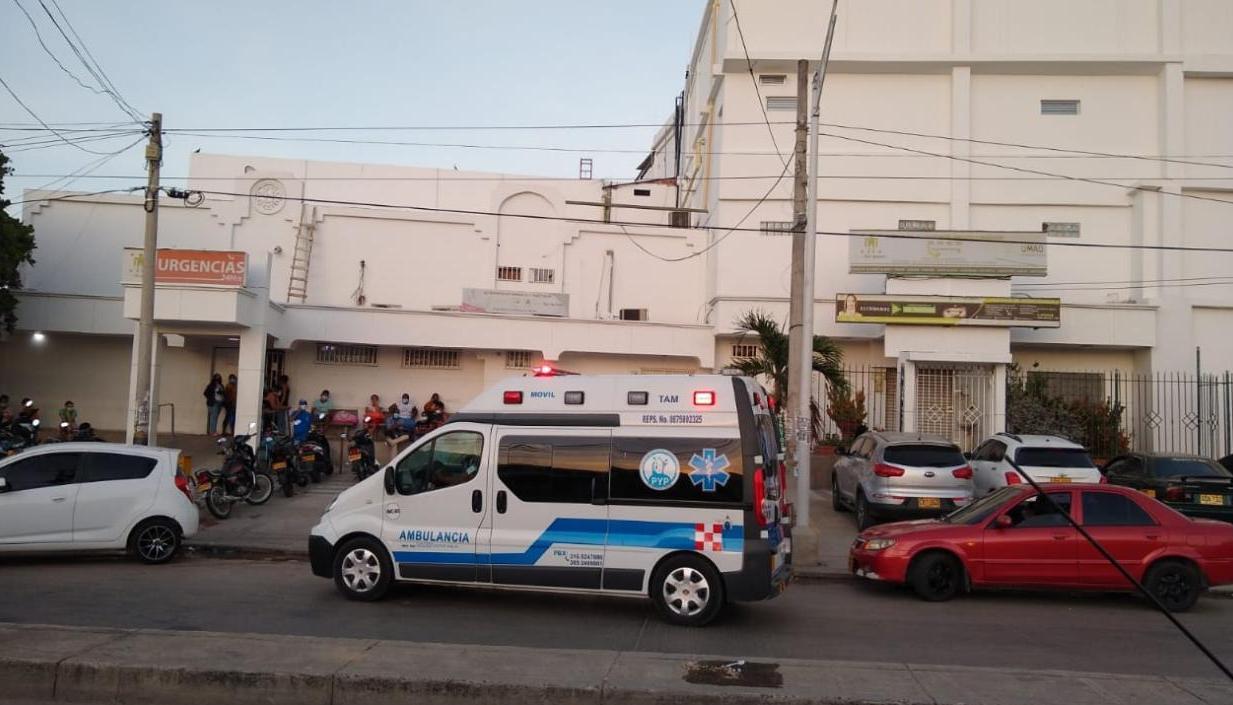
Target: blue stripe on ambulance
<point>585,532</point>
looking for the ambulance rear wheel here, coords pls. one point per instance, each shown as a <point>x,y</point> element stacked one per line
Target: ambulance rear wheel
<point>687,591</point>
<point>362,570</point>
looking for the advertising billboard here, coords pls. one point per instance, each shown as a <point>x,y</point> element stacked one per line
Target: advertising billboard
<point>948,310</point>
<point>948,252</point>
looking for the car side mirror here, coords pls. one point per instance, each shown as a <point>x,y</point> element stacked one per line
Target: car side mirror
<point>1003,522</point>
<point>4,485</point>
<point>389,480</point>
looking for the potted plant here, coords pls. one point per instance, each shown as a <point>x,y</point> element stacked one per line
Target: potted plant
<point>829,443</point>
<point>846,409</point>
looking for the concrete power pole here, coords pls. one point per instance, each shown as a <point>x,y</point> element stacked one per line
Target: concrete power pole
<point>145,328</point>
<point>803,459</point>
<point>796,304</point>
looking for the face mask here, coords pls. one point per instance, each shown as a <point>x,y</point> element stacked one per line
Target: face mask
<point>406,400</point>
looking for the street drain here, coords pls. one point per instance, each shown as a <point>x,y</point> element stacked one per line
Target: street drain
<point>752,675</point>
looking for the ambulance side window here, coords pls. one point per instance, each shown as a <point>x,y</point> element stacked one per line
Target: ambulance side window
<point>451,459</point>
<point>560,470</point>
<point>706,470</point>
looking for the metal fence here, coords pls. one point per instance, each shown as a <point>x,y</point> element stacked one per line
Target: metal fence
<point>1108,412</point>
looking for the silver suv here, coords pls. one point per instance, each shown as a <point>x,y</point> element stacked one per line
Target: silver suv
<point>893,476</point>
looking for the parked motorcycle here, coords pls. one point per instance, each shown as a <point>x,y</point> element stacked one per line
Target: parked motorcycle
<point>361,454</point>
<point>18,436</point>
<point>317,436</point>
<point>236,481</point>
<point>312,455</point>
<point>283,457</point>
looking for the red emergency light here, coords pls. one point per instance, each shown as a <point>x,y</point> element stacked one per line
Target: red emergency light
<point>704,398</point>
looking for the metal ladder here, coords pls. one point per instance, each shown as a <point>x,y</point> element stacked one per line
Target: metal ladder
<point>297,284</point>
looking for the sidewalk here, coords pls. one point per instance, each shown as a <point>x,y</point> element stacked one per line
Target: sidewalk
<point>67,664</point>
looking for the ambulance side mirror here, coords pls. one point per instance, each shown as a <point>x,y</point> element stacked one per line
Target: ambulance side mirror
<point>389,480</point>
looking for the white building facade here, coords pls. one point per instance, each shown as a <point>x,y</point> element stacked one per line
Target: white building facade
<point>358,273</point>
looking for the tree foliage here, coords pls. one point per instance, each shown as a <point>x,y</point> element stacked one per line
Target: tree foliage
<point>16,249</point>
<point>1097,424</point>
<point>771,362</point>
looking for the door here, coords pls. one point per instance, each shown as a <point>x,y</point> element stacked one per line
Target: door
<point>36,505</point>
<point>1038,548</point>
<point>851,466</point>
<point>113,490</point>
<point>432,520</point>
<point>1125,529</point>
<point>550,511</point>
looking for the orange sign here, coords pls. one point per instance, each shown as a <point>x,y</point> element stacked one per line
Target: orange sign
<point>201,267</point>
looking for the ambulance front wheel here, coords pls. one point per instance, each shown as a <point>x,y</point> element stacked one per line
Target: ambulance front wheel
<point>362,570</point>
<point>687,590</point>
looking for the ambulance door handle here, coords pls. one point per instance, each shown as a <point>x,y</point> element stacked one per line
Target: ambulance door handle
<point>501,501</point>
<point>477,501</point>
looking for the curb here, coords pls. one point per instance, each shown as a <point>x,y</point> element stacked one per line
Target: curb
<point>225,551</point>
<point>146,666</point>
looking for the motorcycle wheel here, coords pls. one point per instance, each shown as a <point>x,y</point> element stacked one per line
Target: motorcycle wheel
<point>288,485</point>
<point>217,502</point>
<point>301,480</point>
<point>315,473</point>
<point>263,487</point>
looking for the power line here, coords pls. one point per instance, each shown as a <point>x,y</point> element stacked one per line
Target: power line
<point>86,169</point>
<point>72,196</point>
<point>36,117</point>
<point>1026,170</point>
<point>757,92</point>
<point>92,66</point>
<point>732,177</point>
<point>39,35</point>
<point>47,144</point>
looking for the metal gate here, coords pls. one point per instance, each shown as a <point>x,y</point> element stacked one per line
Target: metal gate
<point>956,402</point>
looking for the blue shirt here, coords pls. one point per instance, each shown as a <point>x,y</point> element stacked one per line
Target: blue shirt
<point>301,424</point>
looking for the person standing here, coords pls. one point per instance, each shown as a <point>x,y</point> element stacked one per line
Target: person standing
<point>68,415</point>
<point>229,396</point>
<point>283,389</point>
<point>215,394</point>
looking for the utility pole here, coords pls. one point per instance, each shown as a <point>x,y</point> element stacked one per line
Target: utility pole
<point>145,327</point>
<point>796,304</point>
<point>803,459</point>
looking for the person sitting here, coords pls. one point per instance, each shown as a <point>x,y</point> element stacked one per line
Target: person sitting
<point>301,422</point>
<point>374,414</point>
<point>434,409</point>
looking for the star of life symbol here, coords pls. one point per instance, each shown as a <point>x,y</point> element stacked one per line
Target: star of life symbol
<point>708,537</point>
<point>709,470</point>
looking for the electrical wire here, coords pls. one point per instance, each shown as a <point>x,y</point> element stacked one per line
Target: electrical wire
<point>36,117</point>
<point>92,66</point>
<point>71,196</point>
<point>87,169</point>
<point>757,92</point>
<point>733,177</point>
<point>1026,170</point>
<point>30,146</point>
<point>39,36</point>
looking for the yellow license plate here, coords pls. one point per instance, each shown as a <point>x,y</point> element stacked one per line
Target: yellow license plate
<point>203,487</point>
<point>353,456</point>
<point>929,503</point>
<point>280,465</point>
<point>309,458</point>
<point>1149,492</point>
<point>1213,499</point>
<point>1063,479</point>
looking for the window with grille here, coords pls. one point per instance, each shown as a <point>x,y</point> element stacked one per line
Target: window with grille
<point>543,276</point>
<point>509,274</point>
<point>517,359</point>
<point>633,314</point>
<point>1060,229</point>
<point>776,227</point>
<point>438,358</point>
<point>1059,107</point>
<point>772,79</point>
<point>781,102</point>
<point>744,350</point>
<point>336,354</point>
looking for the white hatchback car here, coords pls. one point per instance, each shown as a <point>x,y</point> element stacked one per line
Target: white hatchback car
<point>95,496</point>
<point>1044,458</point>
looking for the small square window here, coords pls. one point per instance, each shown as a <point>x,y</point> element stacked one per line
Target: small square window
<point>542,276</point>
<point>781,102</point>
<point>772,79</point>
<point>509,274</point>
<point>744,350</point>
<point>777,227</point>
<point>633,314</point>
<point>517,359</point>
<point>642,192</point>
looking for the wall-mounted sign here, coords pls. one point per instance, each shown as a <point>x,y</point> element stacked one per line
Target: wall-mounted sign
<point>948,252</point>
<point>948,311</point>
<point>215,267</point>
<point>519,303</point>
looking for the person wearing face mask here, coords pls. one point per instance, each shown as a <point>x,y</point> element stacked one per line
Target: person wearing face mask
<point>400,425</point>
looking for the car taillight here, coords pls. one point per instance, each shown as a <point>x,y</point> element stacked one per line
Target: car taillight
<point>783,489</point>
<point>963,473</point>
<point>884,470</point>
<point>1174,493</point>
<point>1012,478</point>
<point>759,483</point>
<point>182,485</point>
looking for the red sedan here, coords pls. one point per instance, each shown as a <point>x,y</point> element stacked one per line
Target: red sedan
<point>1014,538</point>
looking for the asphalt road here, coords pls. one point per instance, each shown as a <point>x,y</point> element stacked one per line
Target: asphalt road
<point>828,620</point>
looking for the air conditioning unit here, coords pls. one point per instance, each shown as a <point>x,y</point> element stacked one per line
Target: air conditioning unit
<point>678,219</point>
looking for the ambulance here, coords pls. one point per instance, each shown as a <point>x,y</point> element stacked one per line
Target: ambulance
<point>667,487</point>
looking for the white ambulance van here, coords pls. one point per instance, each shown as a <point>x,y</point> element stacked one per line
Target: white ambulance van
<point>668,487</point>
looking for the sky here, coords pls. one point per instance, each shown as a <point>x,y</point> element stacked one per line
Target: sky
<point>278,63</point>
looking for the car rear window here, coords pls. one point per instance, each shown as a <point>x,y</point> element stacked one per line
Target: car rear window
<point>924,456</point>
<point>1054,458</point>
<point>1191,467</point>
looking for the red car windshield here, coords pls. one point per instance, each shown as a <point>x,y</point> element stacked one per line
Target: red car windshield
<point>983,508</point>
